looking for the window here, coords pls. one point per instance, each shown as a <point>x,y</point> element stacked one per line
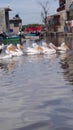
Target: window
<point>62,3</point>
<point>16,24</point>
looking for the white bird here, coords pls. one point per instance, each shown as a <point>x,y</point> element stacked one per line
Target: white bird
<point>20,49</point>
<point>47,49</point>
<point>35,49</point>
<point>1,47</point>
<point>63,48</point>
<point>3,55</point>
<point>13,50</point>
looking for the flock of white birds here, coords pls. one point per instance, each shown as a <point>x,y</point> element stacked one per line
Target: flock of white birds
<point>8,51</point>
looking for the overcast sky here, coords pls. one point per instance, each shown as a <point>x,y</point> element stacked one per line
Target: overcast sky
<point>28,10</point>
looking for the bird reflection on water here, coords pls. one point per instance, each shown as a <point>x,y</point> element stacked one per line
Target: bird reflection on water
<point>10,64</point>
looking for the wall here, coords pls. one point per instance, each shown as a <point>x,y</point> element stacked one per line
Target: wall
<point>15,29</point>
<point>2,20</point>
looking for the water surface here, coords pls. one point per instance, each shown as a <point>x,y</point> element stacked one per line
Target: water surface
<point>36,92</point>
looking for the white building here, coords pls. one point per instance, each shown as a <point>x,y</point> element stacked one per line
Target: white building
<point>4,19</point>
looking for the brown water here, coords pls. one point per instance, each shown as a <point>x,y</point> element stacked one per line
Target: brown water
<point>36,92</point>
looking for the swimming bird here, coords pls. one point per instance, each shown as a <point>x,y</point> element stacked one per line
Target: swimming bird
<point>47,49</point>
<point>35,49</point>
<point>38,48</point>
<point>1,48</point>
<point>13,50</point>
<point>63,48</point>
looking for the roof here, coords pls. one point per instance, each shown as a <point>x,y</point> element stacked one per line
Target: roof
<point>61,8</point>
<point>8,9</point>
<point>15,19</point>
<point>53,16</point>
<point>5,9</point>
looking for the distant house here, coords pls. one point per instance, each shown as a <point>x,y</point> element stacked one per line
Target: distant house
<point>4,19</point>
<point>15,24</point>
<point>64,13</point>
<point>70,12</point>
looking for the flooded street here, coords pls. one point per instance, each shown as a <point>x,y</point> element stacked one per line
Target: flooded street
<point>36,92</point>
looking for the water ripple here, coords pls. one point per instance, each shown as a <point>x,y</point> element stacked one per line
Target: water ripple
<point>36,93</point>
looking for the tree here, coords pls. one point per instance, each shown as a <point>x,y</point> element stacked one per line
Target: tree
<point>45,9</point>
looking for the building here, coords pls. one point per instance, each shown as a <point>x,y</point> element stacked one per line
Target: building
<point>61,22</point>
<point>64,13</point>
<point>4,19</point>
<point>53,21</point>
<point>70,12</point>
<point>15,24</point>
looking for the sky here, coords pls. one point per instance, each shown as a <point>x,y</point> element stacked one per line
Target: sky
<point>29,10</point>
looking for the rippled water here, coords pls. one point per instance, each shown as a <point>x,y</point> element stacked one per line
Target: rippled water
<point>36,92</point>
